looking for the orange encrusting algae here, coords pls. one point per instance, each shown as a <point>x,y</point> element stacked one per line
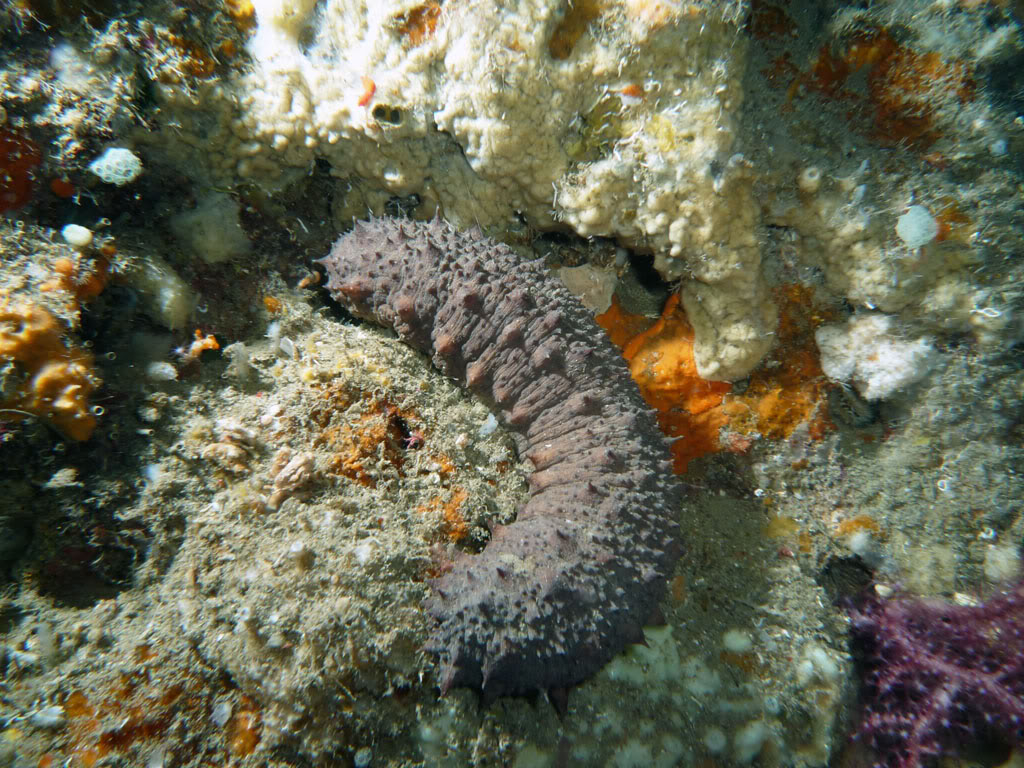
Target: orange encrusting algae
<point>418,25</point>
<point>904,88</point>
<point>858,523</point>
<point>359,443</point>
<point>244,729</point>
<point>456,528</point>
<point>143,714</point>
<point>355,448</point>
<point>129,717</point>
<point>788,392</point>
<point>954,225</point>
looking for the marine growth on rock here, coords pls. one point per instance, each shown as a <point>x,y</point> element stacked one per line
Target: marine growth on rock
<point>940,676</point>
<point>556,594</point>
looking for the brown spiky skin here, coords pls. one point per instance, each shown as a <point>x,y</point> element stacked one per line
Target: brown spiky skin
<point>555,595</point>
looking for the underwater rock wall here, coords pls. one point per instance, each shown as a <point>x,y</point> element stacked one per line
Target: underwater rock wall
<point>232,563</point>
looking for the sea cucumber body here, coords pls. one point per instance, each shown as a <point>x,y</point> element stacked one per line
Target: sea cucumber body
<point>556,594</point>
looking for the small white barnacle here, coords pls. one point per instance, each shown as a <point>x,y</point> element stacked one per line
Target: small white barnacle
<point>809,180</point>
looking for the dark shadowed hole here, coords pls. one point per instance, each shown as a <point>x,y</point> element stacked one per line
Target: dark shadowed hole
<point>844,578</point>
<point>646,274</point>
<point>92,562</point>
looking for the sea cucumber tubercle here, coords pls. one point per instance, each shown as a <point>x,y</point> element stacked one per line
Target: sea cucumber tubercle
<point>556,594</point>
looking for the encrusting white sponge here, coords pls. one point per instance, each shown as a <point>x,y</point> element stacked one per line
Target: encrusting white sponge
<point>867,353</point>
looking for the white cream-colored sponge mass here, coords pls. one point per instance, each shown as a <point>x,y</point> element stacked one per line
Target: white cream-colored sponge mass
<point>615,119</point>
<point>869,353</point>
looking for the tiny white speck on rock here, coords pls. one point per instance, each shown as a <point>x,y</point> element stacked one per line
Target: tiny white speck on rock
<point>221,714</point>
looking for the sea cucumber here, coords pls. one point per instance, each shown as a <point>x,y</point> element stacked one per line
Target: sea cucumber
<point>556,594</point>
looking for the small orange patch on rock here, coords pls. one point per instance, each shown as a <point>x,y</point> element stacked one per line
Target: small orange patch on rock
<point>354,446</point>
<point>77,705</point>
<point>195,60</point>
<point>745,662</point>
<point>789,389</point>
<point>128,718</point>
<point>907,88</point>
<point>856,524</point>
<point>455,526</point>
<point>954,225</point>
<point>359,442</point>
<point>137,712</point>
<point>447,466</point>
<point>904,87</point>
<point>418,25</point>
<point>272,304</point>
<point>243,729</point>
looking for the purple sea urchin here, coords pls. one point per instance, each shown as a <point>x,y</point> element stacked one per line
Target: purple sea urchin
<point>558,593</point>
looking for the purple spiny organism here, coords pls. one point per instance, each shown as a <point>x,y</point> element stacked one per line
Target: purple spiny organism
<point>940,676</point>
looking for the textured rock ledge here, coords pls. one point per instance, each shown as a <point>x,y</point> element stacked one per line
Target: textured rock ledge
<point>558,593</point>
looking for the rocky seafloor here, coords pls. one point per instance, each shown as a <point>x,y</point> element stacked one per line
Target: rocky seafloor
<point>225,499</point>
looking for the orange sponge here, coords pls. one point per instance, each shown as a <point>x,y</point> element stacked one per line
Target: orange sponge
<point>786,393</point>
<point>58,379</point>
<point>661,362</point>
